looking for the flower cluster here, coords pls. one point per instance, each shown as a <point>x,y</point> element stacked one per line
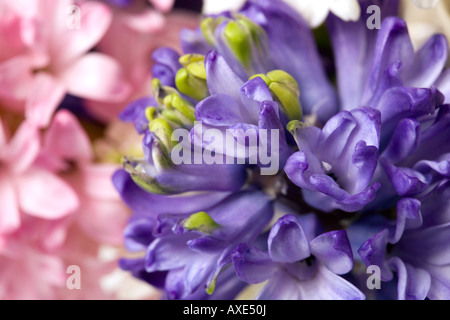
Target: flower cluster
<point>62,82</point>
<point>363,152</point>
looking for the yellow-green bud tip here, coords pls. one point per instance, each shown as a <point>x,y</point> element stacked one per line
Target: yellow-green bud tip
<point>201,222</point>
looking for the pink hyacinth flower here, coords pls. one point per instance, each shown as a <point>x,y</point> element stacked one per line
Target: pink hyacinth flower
<point>45,55</point>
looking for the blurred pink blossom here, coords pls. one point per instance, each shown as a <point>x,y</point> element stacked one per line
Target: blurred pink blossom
<point>42,59</point>
<point>58,206</point>
<point>65,207</point>
<point>141,30</point>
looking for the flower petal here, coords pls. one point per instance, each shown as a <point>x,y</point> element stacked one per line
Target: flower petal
<point>428,63</point>
<point>46,93</point>
<point>220,77</point>
<point>287,241</point>
<point>66,139</point>
<point>251,264</point>
<point>334,250</point>
<point>98,77</point>
<point>54,201</point>
<point>70,44</point>
<point>9,206</point>
<point>413,283</point>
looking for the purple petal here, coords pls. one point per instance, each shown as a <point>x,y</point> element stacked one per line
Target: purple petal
<point>435,140</point>
<point>252,93</point>
<point>174,286</point>
<point>169,252</point>
<point>135,112</point>
<point>145,203</point>
<point>197,270</point>
<point>293,49</point>
<point>408,217</point>
<point>166,65</point>
<point>326,285</point>
<point>251,264</point>
<point>334,250</point>
<point>428,63</point>
<point>219,110</point>
<point>353,50</point>
<point>193,41</point>
<point>440,282</point>
<point>404,141</point>
<point>436,205</point>
<point>406,182</point>
<point>301,166</point>
<point>287,241</point>
<point>340,199</point>
<point>442,167</point>
<point>364,161</point>
<point>373,252</point>
<point>393,45</point>
<point>220,77</point>
<point>138,234</point>
<point>431,243</point>
<point>281,286</point>
<point>137,269</point>
<point>413,283</point>
<point>269,123</point>
<point>443,84</point>
<point>404,102</point>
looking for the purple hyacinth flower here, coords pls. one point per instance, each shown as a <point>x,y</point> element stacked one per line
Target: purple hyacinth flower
<point>151,205</point>
<point>296,267</point>
<point>195,254</point>
<point>157,173</point>
<point>166,65</point>
<point>335,164</point>
<point>244,109</point>
<point>415,246</point>
<point>135,113</point>
<point>416,157</point>
<point>292,48</point>
<point>370,62</point>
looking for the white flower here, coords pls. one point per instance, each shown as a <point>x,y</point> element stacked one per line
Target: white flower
<point>313,11</point>
<point>423,23</point>
<point>425,4</point>
<point>218,6</point>
<point>316,11</point>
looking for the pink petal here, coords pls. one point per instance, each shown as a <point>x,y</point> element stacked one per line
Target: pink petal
<point>103,220</point>
<point>10,35</point>
<point>147,22</point>
<point>15,78</point>
<point>72,42</point>
<point>46,93</point>
<point>163,5</point>
<point>22,149</point>
<point>97,181</point>
<point>66,139</point>
<point>9,210</point>
<point>98,77</point>
<point>44,195</point>
<point>3,134</point>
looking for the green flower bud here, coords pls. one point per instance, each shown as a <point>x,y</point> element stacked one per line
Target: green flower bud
<point>200,222</point>
<point>238,38</point>
<point>191,79</point>
<point>161,128</point>
<point>285,91</point>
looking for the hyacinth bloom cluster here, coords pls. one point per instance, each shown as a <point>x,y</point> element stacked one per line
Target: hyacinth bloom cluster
<point>364,161</point>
